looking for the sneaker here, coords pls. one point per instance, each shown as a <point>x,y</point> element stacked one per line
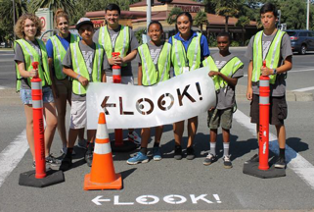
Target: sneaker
<point>227,161</point>
<point>190,155</point>
<point>254,159</point>
<point>133,136</point>
<point>210,159</point>
<point>156,154</point>
<point>138,158</point>
<point>34,165</point>
<point>82,143</point>
<point>89,158</point>
<point>281,163</point>
<point>66,163</point>
<point>177,152</point>
<point>52,161</point>
<point>64,151</point>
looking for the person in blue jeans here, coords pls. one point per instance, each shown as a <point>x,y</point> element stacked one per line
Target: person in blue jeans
<point>154,66</point>
<point>189,49</point>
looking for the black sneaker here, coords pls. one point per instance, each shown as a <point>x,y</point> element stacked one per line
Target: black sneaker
<point>255,158</point>
<point>190,155</point>
<point>280,164</point>
<point>210,159</point>
<point>177,152</point>
<point>66,163</point>
<point>52,161</point>
<point>89,158</point>
<point>227,161</point>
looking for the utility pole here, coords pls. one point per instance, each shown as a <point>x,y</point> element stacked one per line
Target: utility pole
<point>14,19</point>
<point>148,16</point>
<point>308,15</point>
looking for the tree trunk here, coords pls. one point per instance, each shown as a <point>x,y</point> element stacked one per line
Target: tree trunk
<point>226,24</point>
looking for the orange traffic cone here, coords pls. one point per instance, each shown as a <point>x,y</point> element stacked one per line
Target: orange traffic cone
<point>102,175</point>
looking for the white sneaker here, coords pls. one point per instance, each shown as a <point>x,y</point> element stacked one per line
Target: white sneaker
<point>133,136</point>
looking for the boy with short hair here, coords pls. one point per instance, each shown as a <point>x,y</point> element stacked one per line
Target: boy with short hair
<point>225,69</point>
<point>273,46</point>
<point>118,38</point>
<point>85,62</point>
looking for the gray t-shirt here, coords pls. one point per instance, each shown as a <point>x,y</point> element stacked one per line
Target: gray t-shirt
<point>154,53</point>
<point>226,96</point>
<point>127,70</point>
<point>88,55</point>
<point>19,57</point>
<point>279,88</point>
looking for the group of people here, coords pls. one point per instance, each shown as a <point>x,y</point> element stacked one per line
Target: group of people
<point>68,63</point>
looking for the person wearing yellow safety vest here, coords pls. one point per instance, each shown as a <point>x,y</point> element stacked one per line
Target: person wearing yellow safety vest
<point>57,46</point>
<point>29,49</point>
<point>225,70</point>
<point>188,50</point>
<point>84,62</point>
<point>273,46</point>
<point>154,66</point>
<point>118,38</point>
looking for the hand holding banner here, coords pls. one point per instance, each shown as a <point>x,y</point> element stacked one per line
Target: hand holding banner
<point>128,106</point>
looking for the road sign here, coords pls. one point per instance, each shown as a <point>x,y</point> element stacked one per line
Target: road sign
<point>46,17</point>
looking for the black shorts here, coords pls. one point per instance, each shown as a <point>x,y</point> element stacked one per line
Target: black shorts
<point>278,110</point>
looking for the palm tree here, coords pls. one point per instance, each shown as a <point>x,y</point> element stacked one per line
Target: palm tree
<point>199,19</point>
<point>6,10</point>
<point>228,9</point>
<point>242,22</point>
<point>67,5</point>
<point>173,15</point>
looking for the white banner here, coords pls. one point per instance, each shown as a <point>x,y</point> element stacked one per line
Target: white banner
<point>129,106</point>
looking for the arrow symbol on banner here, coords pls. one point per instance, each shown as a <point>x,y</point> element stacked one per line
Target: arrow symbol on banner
<point>98,199</point>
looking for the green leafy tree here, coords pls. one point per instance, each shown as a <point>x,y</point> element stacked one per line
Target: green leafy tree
<point>66,5</point>
<point>173,15</point>
<point>242,22</point>
<point>200,19</point>
<point>228,9</point>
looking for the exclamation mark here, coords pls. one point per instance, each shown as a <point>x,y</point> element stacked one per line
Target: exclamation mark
<point>217,198</point>
<point>199,90</point>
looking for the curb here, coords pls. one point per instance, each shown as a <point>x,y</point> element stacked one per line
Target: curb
<point>291,96</point>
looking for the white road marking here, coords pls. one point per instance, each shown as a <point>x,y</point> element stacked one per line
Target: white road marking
<point>297,163</point>
<point>304,89</point>
<point>12,155</point>
<point>2,88</point>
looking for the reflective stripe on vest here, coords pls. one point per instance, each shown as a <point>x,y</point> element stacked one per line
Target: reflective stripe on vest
<point>31,55</point>
<point>229,69</point>
<point>179,55</point>
<point>121,43</point>
<point>150,75</point>
<point>59,53</point>
<point>79,67</point>
<point>272,58</point>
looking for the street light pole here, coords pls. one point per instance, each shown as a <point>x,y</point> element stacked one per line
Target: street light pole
<point>308,15</point>
<point>14,18</point>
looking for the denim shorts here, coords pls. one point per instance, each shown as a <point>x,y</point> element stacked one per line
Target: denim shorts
<point>26,95</point>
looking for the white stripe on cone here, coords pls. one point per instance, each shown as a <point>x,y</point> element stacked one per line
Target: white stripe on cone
<point>102,149</point>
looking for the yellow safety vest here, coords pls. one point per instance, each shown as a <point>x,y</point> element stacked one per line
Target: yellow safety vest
<point>150,75</point>
<point>121,44</point>
<point>272,58</point>
<point>79,67</point>
<point>190,58</point>
<point>31,55</point>
<point>59,53</point>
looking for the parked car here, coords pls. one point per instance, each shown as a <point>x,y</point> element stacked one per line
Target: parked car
<point>301,40</point>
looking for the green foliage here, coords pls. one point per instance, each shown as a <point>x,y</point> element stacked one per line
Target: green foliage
<point>212,41</point>
<point>228,9</point>
<point>234,43</point>
<point>173,15</point>
<point>66,5</point>
<point>200,19</point>
<point>138,34</point>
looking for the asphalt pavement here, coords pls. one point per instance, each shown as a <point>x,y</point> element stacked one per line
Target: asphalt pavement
<point>170,185</point>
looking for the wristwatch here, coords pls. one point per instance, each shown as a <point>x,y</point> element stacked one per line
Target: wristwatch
<point>274,71</point>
